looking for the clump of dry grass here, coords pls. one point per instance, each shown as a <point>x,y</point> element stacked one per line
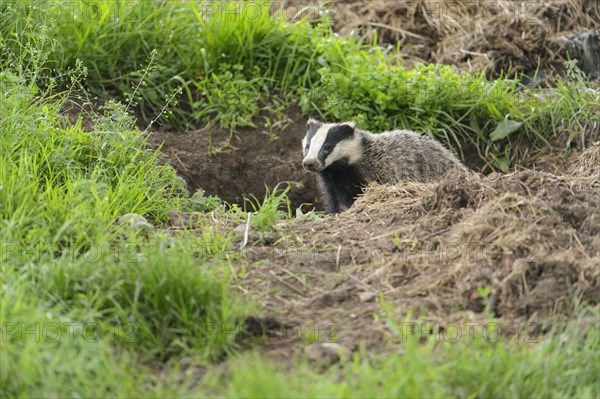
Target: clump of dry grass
<point>527,235</point>
<point>587,164</point>
<point>473,35</point>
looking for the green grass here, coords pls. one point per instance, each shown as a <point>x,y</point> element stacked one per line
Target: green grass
<point>46,353</point>
<point>63,184</point>
<point>65,262</point>
<point>268,211</point>
<point>561,365</point>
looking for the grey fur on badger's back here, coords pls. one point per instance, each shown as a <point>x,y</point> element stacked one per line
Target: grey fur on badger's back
<point>346,159</point>
<point>402,155</point>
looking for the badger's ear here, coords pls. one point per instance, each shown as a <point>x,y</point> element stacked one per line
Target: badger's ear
<point>313,122</point>
<point>351,125</point>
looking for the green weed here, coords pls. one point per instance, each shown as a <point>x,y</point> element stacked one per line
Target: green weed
<point>266,213</point>
<point>199,202</point>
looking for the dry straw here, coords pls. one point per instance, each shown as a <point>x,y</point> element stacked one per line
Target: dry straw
<point>474,35</point>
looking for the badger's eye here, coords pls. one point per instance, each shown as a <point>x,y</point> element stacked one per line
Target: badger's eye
<point>327,148</point>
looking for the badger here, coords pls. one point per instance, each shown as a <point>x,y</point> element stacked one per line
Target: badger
<point>346,159</point>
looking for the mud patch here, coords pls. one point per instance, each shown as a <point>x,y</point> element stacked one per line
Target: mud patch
<point>232,167</point>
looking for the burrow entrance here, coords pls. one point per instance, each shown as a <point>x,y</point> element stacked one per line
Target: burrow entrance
<point>245,164</point>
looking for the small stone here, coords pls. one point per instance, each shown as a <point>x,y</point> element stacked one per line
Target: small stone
<point>135,221</point>
<point>366,296</point>
<point>184,220</point>
<point>327,353</point>
<point>174,218</point>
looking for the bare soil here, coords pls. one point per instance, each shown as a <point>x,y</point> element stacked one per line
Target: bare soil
<point>233,167</point>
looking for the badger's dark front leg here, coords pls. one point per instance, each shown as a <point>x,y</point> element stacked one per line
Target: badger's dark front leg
<point>331,200</point>
<point>340,187</point>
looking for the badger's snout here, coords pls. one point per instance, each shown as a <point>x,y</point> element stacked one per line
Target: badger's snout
<point>311,165</point>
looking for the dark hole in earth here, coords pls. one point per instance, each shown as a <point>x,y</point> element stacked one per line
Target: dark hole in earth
<point>247,165</point>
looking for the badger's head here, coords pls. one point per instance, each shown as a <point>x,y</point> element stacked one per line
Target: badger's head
<point>329,143</point>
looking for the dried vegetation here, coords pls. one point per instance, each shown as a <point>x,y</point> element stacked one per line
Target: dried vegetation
<point>474,35</point>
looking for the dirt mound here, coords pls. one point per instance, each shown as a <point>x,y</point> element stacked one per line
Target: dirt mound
<point>515,248</point>
<point>478,35</point>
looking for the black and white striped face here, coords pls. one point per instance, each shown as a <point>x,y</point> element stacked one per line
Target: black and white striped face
<point>326,143</point>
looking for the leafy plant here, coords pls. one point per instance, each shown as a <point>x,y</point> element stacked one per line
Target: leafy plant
<point>266,213</point>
